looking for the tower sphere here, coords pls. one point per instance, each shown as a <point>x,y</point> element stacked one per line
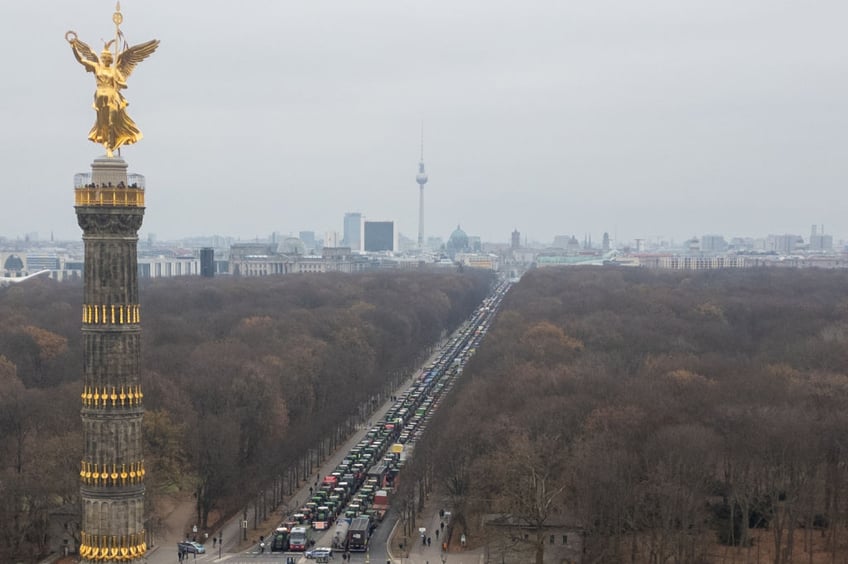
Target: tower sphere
<point>422,176</point>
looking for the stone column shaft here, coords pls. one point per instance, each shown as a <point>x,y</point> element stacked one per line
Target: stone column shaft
<point>112,468</point>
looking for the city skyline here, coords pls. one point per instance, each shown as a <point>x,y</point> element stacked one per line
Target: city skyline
<point>649,121</point>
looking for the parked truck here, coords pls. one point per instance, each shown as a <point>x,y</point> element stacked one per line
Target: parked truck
<point>358,534</point>
<point>340,534</point>
<point>380,504</point>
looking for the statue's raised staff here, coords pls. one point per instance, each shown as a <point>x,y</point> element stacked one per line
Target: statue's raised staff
<point>113,127</point>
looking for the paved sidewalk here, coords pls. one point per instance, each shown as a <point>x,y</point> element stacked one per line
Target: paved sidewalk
<point>421,553</point>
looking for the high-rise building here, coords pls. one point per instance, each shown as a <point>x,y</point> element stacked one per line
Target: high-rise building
<point>308,238</point>
<point>380,236</point>
<point>783,244</point>
<point>331,239</point>
<point>713,244</point>
<point>352,233</point>
<point>515,242</point>
<point>207,262</point>
<point>818,240</point>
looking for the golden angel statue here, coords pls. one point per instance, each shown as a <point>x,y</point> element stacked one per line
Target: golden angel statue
<point>113,127</point>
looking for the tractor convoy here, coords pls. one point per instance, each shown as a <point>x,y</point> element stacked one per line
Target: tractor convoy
<point>352,500</point>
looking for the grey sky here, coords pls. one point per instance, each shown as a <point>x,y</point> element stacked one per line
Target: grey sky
<point>642,118</point>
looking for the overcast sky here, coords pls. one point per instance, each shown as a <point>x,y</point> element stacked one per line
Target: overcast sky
<point>649,118</point>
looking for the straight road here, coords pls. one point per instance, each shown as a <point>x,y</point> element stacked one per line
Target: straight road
<point>417,553</point>
<point>232,532</point>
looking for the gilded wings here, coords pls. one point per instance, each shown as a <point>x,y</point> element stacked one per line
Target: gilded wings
<point>126,60</point>
<point>131,56</point>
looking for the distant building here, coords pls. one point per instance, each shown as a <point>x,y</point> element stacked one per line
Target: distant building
<point>434,242</point>
<point>692,246</point>
<point>486,261</point>
<point>457,242</point>
<point>168,267</point>
<point>37,262</point>
<point>380,236</point>
<point>561,241</point>
<point>515,240</point>
<point>331,239</point>
<point>742,243</point>
<point>713,244</point>
<point>332,259</point>
<point>207,262</point>
<point>353,231</point>
<point>292,246</point>
<point>13,265</point>
<point>819,241</point>
<point>257,259</point>
<point>510,540</point>
<point>783,244</point>
<point>308,238</point>
<point>694,262</point>
<point>605,245</point>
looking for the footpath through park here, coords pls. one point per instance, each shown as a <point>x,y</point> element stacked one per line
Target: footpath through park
<point>435,517</point>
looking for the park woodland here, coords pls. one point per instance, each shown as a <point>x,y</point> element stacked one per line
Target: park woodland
<point>634,416</point>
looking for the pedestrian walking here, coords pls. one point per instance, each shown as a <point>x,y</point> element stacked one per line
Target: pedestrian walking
<point>442,525</point>
<point>215,539</point>
<point>428,541</point>
<point>437,535</point>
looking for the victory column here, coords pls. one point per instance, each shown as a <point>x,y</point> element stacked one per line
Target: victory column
<point>109,205</point>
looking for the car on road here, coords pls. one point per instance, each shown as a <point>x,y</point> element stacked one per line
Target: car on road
<point>191,547</point>
<point>319,552</point>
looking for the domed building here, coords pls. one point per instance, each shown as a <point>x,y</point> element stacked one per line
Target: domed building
<point>457,243</point>
<point>292,246</point>
<point>13,263</point>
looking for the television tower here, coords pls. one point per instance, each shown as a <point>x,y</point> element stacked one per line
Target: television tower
<point>421,179</point>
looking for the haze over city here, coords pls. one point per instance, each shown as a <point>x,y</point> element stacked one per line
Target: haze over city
<point>646,120</point>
